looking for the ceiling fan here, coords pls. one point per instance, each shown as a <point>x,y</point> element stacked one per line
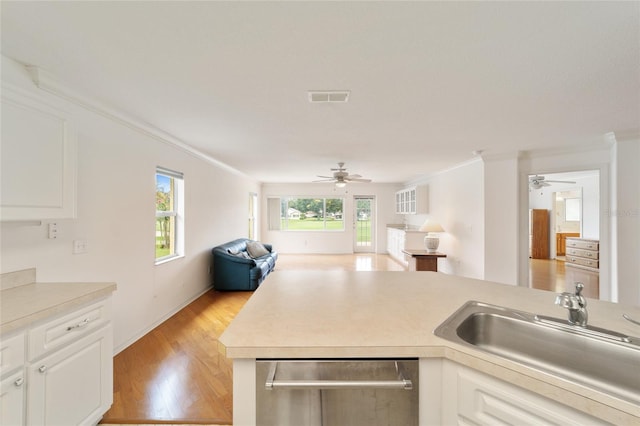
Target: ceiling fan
<point>537,181</point>
<point>341,177</point>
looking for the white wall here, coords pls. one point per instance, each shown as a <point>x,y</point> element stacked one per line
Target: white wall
<point>501,219</point>
<point>624,215</point>
<point>116,215</point>
<point>330,242</point>
<point>456,197</point>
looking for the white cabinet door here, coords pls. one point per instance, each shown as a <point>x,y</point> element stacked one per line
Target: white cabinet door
<point>38,159</point>
<point>471,397</point>
<point>12,399</point>
<point>73,385</point>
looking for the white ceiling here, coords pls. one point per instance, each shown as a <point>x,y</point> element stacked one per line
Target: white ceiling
<point>430,82</point>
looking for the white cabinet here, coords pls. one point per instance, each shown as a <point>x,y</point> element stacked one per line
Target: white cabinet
<point>59,371</point>
<point>471,397</point>
<point>72,386</point>
<point>395,244</point>
<point>12,398</point>
<point>38,158</point>
<point>400,239</point>
<point>12,380</point>
<point>412,200</point>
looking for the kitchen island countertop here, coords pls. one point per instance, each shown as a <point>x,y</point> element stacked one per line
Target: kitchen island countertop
<point>337,314</point>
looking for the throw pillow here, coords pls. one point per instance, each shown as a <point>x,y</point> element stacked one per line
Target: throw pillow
<point>256,249</point>
<point>242,254</point>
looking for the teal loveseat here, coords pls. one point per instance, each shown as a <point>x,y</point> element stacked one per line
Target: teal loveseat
<point>237,267</point>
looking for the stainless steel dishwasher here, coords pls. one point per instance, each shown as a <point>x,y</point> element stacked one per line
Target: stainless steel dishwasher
<point>337,392</point>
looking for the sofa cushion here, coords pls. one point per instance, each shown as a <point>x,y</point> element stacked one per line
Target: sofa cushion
<point>256,249</point>
<point>242,254</point>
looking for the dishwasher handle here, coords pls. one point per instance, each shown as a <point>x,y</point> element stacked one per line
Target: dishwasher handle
<point>401,383</point>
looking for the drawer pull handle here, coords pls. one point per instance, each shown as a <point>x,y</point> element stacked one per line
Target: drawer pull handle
<point>401,383</point>
<point>42,368</point>
<point>19,382</point>
<point>78,325</point>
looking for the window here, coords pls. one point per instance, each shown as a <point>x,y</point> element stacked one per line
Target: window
<point>306,214</point>
<point>169,215</point>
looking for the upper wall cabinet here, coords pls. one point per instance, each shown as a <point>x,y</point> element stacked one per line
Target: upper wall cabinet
<point>38,152</point>
<point>412,200</point>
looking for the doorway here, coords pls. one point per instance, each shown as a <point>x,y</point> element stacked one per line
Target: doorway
<point>253,214</point>
<point>571,203</point>
<point>364,224</point>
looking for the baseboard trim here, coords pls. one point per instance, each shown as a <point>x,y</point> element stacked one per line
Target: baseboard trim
<point>155,324</point>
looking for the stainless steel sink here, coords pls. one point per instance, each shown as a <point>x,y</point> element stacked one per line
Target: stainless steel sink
<point>591,356</point>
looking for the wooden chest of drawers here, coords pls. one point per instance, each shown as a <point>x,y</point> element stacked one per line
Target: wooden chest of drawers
<point>583,252</point>
<point>583,263</point>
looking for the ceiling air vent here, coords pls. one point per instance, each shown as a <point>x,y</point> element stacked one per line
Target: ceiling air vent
<point>340,96</point>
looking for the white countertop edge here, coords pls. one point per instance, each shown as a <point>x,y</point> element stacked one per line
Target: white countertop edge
<point>84,294</point>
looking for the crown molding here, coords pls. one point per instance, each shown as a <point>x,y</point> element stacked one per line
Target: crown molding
<point>47,82</point>
<point>622,136</point>
<point>425,179</point>
<point>568,150</point>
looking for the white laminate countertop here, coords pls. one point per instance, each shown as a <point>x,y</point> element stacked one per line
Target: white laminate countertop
<point>406,228</point>
<point>25,304</point>
<point>336,314</point>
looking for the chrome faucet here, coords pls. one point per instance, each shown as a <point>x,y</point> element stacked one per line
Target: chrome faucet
<point>576,303</point>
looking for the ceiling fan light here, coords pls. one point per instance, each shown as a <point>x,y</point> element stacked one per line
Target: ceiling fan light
<point>341,184</point>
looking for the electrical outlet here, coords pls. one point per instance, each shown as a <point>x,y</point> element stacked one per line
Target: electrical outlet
<point>53,231</point>
<point>80,246</point>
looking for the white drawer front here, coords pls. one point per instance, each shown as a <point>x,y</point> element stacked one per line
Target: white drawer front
<point>582,244</point>
<point>63,330</point>
<point>582,261</point>
<point>589,254</point>
<point>12,353</point>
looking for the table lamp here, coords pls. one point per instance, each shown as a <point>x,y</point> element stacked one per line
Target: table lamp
<point>431,241</point>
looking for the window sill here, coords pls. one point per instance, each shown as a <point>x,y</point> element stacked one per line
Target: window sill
<point>168,259</point>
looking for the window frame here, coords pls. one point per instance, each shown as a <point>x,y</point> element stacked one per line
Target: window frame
<point>281,223</point>
<point>176,212</point>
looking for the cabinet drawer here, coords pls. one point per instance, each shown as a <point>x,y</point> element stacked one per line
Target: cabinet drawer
<point>582,253</point>
<point>63,330</point>
<point>12,354</point>
<point>582,261</point>
<point>582,244</point>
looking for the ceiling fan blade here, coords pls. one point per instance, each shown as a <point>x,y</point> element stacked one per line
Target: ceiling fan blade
<point>325,177</point>
<point>350,179</point>
<point>353,176</point>
<point>324,180</point>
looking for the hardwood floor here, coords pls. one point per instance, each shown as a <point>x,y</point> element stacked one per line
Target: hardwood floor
<point>547,274</point>
<point>176,374</point>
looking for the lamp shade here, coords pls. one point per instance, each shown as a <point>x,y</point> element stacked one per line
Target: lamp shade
<point>431,226</point>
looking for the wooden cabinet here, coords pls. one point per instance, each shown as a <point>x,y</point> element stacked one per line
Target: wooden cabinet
<point>412,200</point>
<point>539,234</point>
<point>59,371</point>
<point>38,161</point>
<point>583,265</point>
<point>561,241</point>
